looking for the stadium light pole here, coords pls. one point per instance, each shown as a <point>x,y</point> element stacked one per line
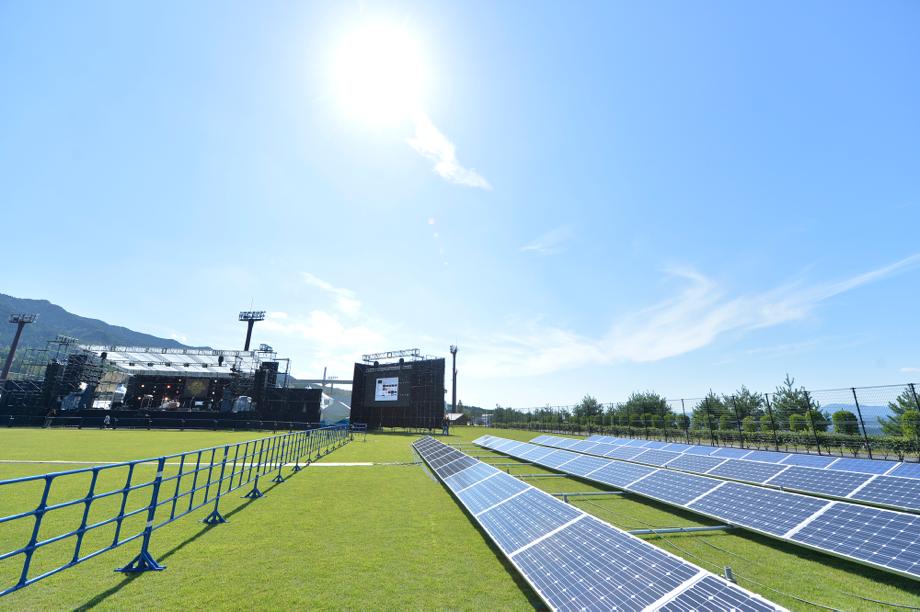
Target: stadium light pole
<point>453,402</point>
<point>21,320</point>
<point>250,317</point>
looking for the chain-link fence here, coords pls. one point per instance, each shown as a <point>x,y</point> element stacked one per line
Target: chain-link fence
<point>875,422</point>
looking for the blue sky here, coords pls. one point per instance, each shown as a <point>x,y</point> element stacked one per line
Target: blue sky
<point>586,198</point>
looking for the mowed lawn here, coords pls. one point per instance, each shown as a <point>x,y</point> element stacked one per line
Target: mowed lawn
<point>386,536</point>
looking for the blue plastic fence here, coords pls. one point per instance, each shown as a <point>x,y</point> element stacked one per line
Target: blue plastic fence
<point>114,504</point>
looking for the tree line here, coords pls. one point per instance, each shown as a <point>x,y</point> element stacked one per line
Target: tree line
<point>790,408</point>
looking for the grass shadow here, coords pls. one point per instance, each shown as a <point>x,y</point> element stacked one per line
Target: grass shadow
<point>129,578</point>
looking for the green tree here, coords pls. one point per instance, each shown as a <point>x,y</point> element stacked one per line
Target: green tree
<point>766,425</point>
<point>845,423</point>
<point>745,402</point>
<point>643,403</point>
<point>706,414</point>
<point>789,400</point>
<point>587,409</point>
<point>682,422</point>
<point>798,422</point>
<point>726,422</point>
<point>749,424</point>
<point>910,424</point>
<point>891,425</point>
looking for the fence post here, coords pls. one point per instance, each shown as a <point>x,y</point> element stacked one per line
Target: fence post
<point>738,420</point>
<point>255,493</point>
<point>280,457</point>
<point>766,397</point>
<point>913,392</point>
<point>811,418</point>
<point>298,451</point>
<point>683,409</point>
<point>144,562</point>
<point>215,518</point>
<point>712,433</point>
<point>862,424</point>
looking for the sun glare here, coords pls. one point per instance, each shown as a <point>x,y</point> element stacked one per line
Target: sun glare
<point>379,73</point>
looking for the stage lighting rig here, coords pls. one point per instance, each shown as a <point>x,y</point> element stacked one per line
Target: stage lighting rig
<point>20,321</point>
<point>250,317</point>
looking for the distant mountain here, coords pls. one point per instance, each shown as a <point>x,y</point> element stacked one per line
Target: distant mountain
<point>53,321</point>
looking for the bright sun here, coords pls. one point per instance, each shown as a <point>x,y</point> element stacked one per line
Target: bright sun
<point>379,73</point>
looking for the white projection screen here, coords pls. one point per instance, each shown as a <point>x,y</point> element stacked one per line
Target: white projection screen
<point>387,390</point>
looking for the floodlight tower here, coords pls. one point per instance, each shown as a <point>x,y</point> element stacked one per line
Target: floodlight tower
<point>21,320</point>
<point>453,354</point>
<point>251,316</point>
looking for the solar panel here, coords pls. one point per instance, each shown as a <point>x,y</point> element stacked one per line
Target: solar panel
<point>882,538</point>
<point>824,481</point>
<point>656,457</point>
<point>619,474</point>
<point>559,457</point>
<point>623,452</point>
<point>709,595</point>
<point>865,466</point>
<point>766,456</point>
<point>695,463</point>
<point>469,476</point>
<point>819,461</point>
<point>585,464</point>
<point>850,464</point>
<point>674,487</point>
<point>701,450</point>
<point>907,470</point>
<point>627,574</point>
<point>766,510</point>
<point>575,561</point>
<point>731,453</point>
<point>677,447</point>
<point>838,484</point>
<point>750,471</point>
<point>890,491</point>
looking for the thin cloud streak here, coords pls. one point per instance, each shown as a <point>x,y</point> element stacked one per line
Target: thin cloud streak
<point>430,143</point>
<point>346,301</point>
<point>693,319</point>
<point>549,243</point>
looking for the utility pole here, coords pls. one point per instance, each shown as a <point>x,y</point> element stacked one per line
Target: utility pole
<point>21,320</point>
<point>453,354</point>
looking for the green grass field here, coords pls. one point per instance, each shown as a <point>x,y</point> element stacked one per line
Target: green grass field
<point>367,537</point>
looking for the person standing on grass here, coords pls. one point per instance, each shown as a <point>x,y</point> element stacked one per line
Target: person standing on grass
<point>446,426</point>
<point>106,421</point>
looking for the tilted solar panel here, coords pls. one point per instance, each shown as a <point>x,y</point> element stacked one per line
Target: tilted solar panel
<point>656,457</point>
<point>875,489</point>
<point>839,484</point>
<point>849,464</point>
<point>882,538</point>
<point>890,491</point>
<point>750,471</point>
<point>573,560</point>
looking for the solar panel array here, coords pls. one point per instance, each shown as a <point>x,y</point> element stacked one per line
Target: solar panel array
<point>882,538</point>
<point>875,489</point>
<point>848,464</point>
<point>573,560</point>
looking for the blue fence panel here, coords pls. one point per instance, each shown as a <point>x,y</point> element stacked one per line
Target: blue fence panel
<point>123,503</point>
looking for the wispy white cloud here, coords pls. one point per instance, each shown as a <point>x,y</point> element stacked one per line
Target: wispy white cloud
<point>694,318</point>
<point>910,370</point>
<point>429,142</point>
<point>334,336</point>
<point>549,243</point>
<point>346,301</point>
